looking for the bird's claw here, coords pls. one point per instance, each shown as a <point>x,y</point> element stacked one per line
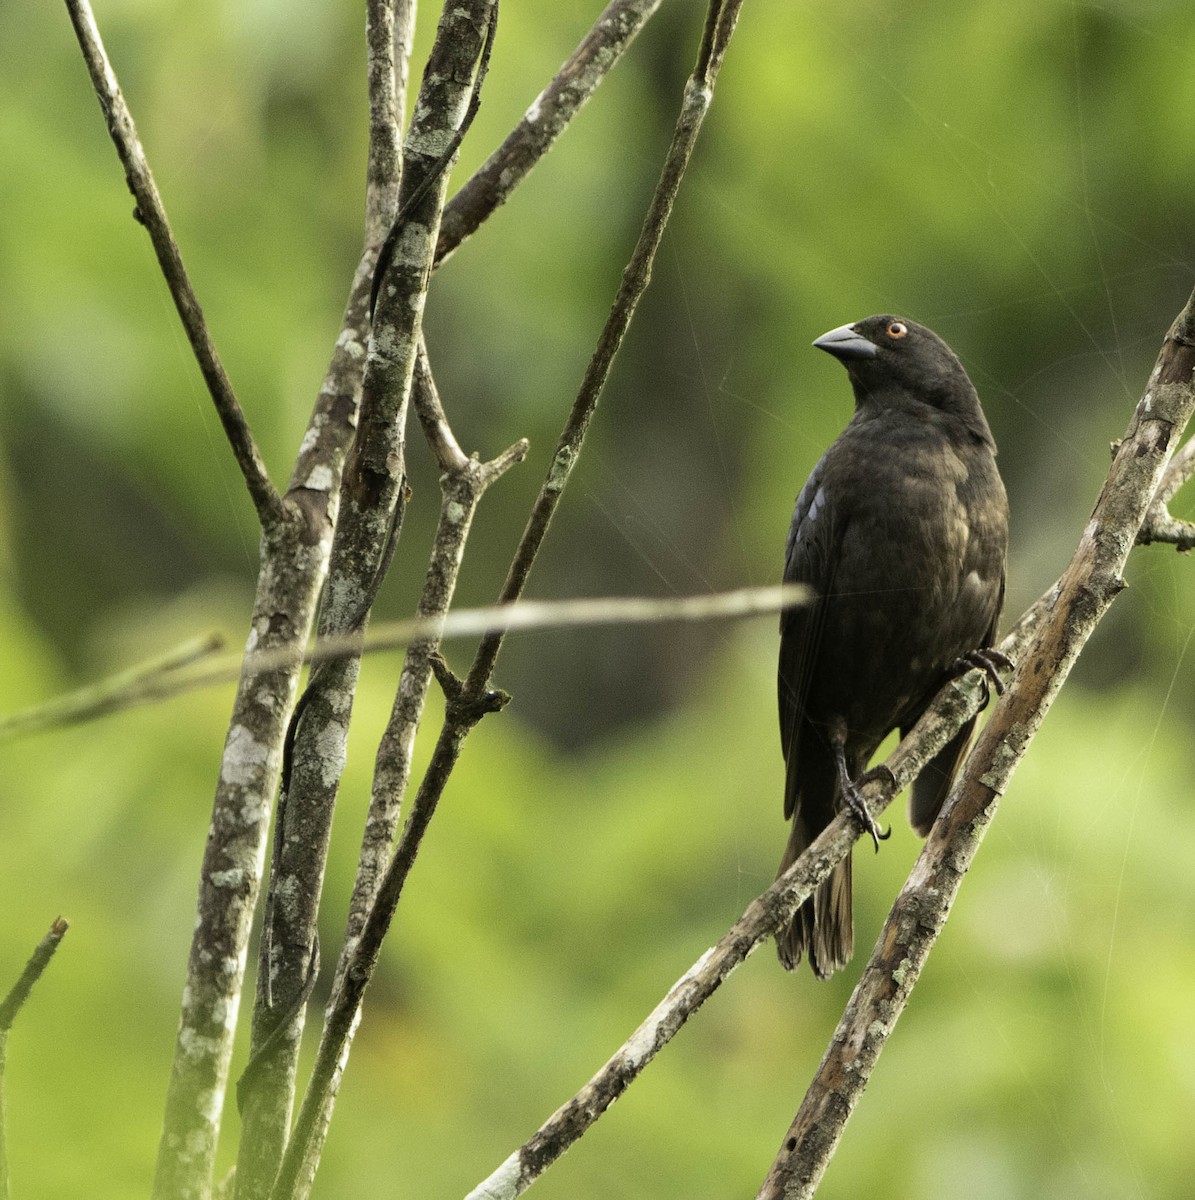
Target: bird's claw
<point>988,660</point>
<point>859,810</point>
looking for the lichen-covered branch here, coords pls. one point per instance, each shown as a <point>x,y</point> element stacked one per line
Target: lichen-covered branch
<point>294,562</point>
<point>462,489</point>
<point>470,701</point>
<point>1091,582</point>
<point>372,502</point>
<point>289,951</point>
<point>152,214</point>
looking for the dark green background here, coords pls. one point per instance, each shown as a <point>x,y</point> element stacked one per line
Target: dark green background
<point>1020,176</point>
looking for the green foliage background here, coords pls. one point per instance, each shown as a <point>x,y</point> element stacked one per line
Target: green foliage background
<point>1018,175</point>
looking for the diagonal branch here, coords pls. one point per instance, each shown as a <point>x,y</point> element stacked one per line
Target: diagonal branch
<point>491,184</point>
<point>151,213</point>
<point>956,704</point>
<point>40,959</point>
<point>1084,593</point>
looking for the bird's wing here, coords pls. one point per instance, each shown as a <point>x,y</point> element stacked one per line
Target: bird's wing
<point>809,559</point>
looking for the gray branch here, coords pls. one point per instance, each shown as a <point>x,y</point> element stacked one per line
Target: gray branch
<point>373,500</point>
<point>294,563</point>
<point>288,957</point>
<point>549,115</point>
<point>770,911</point>
<point>462,489</point>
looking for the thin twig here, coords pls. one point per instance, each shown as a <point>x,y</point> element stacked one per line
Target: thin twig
<point>698,95</point>
<point>1086,590</point>
<point>1179,471</point>
<point>1160,528</point>
<point>111,694</point>
<point>491,184</point>
<point>527,616</point>
<point>152,214</point>
<point>436,430</point>
<point>9,1007</point>
<point>38,961</point>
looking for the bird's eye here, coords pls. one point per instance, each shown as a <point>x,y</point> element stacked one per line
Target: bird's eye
<point>897,329</point>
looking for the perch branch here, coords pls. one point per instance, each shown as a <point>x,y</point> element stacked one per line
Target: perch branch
<point>958,702</point>
<point>152,214</point>
<point>1091,582</point>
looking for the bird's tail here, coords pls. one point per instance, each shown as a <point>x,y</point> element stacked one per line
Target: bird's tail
<point>932,786</point>
<point>823,927</point>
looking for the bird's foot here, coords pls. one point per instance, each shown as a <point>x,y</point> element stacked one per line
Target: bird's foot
<point>988,660</point>
<point>852,795</point>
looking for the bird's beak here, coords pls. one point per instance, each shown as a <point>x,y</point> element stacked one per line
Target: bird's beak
<point>844,343</point>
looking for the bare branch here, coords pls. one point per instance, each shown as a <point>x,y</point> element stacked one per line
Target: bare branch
<point>549,115</point>
<point>1161,527</point>
<point>266,1093</point>
<point>957,703</point>
<point>527,616</point>
<point>1086,590</point>
<point>372,505</point>
<point>152,214</point>
<point>462,489</point>
<point>113,694</point>
<point>9,1007</point>
<point>698,95</point>
<point>294,562</point>
<point>1178,472</point>
<point>440,438</point>
<point>468,704</point>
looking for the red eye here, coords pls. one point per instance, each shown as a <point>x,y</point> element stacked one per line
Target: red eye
<point>897,329</point>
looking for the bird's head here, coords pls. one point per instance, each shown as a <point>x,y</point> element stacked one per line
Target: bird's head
<point>894,362</point>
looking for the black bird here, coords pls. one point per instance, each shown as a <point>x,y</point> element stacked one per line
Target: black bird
<point>901,531</point>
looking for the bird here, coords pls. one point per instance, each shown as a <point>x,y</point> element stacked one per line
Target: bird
<point>901,532</point>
